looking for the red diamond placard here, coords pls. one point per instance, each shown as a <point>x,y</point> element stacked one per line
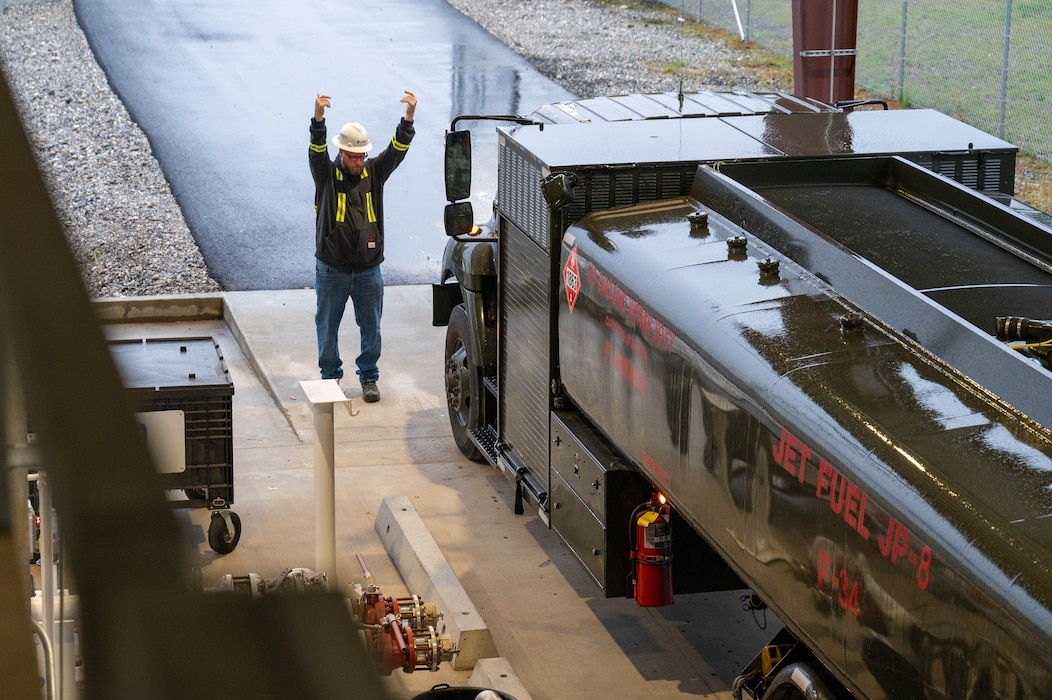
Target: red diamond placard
<point>571,279</point>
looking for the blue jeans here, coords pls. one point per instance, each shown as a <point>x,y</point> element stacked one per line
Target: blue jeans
<point>366,291</point>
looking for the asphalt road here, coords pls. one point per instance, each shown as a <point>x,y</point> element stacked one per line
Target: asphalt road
<point>225,91</point>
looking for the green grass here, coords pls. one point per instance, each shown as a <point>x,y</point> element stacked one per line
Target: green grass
<point>954,51</point>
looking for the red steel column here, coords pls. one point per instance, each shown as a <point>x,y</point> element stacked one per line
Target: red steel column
<point>824,38</point>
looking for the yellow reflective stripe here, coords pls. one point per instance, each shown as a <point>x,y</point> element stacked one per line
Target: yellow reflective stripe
<point>319,147</point>
<point>339,174</point>
<point>341,207</point>
<point>369,207</point>
<point>398,146</point>
<point>365,172</point>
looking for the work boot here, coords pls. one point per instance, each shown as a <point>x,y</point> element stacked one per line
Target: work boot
<point>370,392</point>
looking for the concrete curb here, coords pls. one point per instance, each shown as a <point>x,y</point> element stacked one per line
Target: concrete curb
<point>427,574</point>
<point>248,351</point>
<point>497,674</point>
<point>187,307</point>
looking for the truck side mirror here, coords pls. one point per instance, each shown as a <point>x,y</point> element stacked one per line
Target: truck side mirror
<point>458,165</point>
<point>459,218</point>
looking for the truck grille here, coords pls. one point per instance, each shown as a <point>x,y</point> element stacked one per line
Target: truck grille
<point>519,188</point>
<point>603,189</point>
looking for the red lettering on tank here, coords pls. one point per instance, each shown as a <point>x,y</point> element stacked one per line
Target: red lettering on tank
<point>845,585</point>
<point>837,502</point>
<point>846,499</point>
<point>626,368</point>
<point>635,314</point>
<point>853,508</point>
<point>849,502</point>
<point>632,342</point>
<point>655,469</point>
<point>860,519</point>
<point>825,473</point>
<point>825,567</point>
<point>896,546</point>
<point>792,455</point>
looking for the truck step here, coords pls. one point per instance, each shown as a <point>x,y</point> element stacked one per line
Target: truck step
<point>486,439</point>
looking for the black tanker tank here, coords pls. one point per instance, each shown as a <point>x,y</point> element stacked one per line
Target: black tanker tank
<point>887,509</point>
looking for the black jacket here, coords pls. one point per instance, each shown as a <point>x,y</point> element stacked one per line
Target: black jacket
<point>349,210</point>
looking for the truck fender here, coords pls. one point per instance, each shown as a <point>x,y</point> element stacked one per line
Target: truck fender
<point>485,347</point>
<point>445,298</point>
<point>470,261</point>
<point>796,680</point>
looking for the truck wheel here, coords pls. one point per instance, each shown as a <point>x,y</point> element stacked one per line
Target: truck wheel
<point>462,382</point>
<point>800,681</point>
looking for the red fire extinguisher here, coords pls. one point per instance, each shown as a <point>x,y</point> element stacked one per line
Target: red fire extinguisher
<point>652,553</point>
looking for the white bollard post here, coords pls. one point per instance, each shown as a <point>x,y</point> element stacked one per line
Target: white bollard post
<point>321,395</point>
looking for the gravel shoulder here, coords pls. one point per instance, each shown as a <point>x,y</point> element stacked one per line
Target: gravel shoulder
<point>123,224</point>
<point>595,48</point>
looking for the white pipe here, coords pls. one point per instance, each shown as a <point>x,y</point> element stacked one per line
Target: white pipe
<point>325,493</point>
<point>47,557</point>
<point>49,658</point>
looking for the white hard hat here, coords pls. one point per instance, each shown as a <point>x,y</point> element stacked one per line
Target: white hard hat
<point>353,138</point>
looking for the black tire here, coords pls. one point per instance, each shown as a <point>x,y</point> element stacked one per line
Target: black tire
<point>219,539</point>
<point>463,382</point>
<point>195,494</point>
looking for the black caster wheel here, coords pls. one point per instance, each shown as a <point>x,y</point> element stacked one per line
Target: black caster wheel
<point>220,538</point>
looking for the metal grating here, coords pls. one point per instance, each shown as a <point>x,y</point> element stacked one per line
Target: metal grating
<point>983,172</point>
<point>993,175</point>
<point>640,186</point>
<point>519,188</point>
<point>487,441</point>
<point>524,352</point>
<point>605,189</point>
<point>597,192</point>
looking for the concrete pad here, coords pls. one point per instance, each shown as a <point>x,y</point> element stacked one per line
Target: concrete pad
<point>496,673</point>
<point>284,352</point>
<point>564,639</point>
<point>427,574</point>
<point>281,353</point>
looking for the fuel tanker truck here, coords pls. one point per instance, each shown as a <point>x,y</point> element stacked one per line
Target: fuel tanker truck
<point>745,340</point>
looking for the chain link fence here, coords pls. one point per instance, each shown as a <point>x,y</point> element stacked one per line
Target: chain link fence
<point>981,61</point>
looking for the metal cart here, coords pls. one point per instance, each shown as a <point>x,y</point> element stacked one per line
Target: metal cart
<point>183,384</point>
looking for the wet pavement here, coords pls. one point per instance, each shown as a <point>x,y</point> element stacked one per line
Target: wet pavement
<point>225,92</point>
